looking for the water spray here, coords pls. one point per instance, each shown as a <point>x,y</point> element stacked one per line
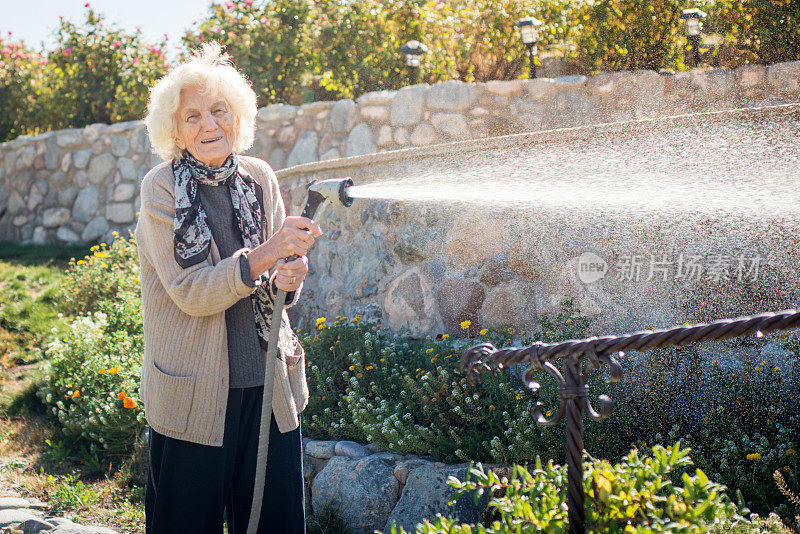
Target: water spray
<point>320,195</point>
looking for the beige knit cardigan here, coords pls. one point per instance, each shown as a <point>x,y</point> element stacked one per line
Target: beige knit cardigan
<point>184,383</point>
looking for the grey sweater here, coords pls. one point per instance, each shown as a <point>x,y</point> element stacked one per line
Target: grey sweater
<point>244,351</point>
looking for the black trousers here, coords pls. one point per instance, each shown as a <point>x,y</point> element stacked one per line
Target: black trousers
<point>191,486</point>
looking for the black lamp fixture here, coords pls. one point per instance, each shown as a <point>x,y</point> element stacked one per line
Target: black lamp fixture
<point>694,24</point>
<point>529,33</point>
<point>413,51</point>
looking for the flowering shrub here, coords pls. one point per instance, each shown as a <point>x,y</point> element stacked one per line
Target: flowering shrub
<point>409,396</point>
<point>95,74</point>
<point>100,276</point>
<point>639,494</point>
<point>99,74</point>
<point>93,381</point>
<point>269,41</point>
<point>20,75</point>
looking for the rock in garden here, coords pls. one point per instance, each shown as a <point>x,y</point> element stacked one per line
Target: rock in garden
<point>74,528</point>
<point>351,449</point>
<point>8,517</point>
<point>363,491</point>
<point>13,502</point>
<point>427,493</point>
<point>35,525</point>
<point>321,449</point>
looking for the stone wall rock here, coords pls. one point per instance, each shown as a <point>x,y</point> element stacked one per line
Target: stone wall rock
<point>363,491</point>
<point>412,269</point>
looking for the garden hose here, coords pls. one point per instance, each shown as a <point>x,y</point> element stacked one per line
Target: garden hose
<point>334,191</point>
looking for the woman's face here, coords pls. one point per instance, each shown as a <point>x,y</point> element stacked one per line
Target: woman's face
<point>206,126</point>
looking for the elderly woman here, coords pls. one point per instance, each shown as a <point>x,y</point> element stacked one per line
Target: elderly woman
<point>212,235</point>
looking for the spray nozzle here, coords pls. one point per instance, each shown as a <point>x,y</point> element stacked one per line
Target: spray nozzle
<point>334,190</point>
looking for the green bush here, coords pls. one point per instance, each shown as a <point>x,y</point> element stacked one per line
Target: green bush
<point>762,31</point>
<point>100,276</point>
<point>98,74</point>
<point>20,75</point>
<point>267,40</point>
<point>409,396</point>
<point>627,35</point>
<point>646,494</point>
<point>92,384</point>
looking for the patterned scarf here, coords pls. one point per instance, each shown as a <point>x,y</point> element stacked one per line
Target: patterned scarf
<point>193,236</point>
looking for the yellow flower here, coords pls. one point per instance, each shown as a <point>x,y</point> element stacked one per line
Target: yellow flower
<point>101,370</point>
<point>321,326</point>
<point>776,368</point>
<point>789,452</point>
<point>103,245</point>
<point>428,351</point>
<point>114,370</point>
<point>94,248</point>
<point>80,262</point>
<point>484,331</point>
<point>136,280</point>
<point>383,359</point>
<point>568,321</point>
<point>101,254</point>
<point>115,233</point>
<point>369,368</point>
<point>122,395</point>
<point>519,396</point>
<point>320,321</point>
<point>549,413</point>
<point>754,456</point>
<point>77,393</point>
<point>757,368</point>
<point>352,368</point>
<point>491,407</point>
<point>465,324</point>
<point>445,336</point>
<point>129,402</point>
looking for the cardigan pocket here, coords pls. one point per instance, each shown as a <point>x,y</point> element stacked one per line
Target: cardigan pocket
<point>173,399</point>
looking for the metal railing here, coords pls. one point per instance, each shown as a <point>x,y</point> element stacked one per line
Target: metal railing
<point>581,357</point>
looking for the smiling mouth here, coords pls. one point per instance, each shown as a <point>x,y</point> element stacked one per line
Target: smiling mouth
<point>210,140</point>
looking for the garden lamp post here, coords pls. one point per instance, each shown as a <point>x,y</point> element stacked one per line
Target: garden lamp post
<point>529,33</point>
<point>693,18</point>
<point>413,51</point>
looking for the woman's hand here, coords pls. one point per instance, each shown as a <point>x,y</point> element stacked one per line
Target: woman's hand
<point>289,275</point>
<point>294,238</point>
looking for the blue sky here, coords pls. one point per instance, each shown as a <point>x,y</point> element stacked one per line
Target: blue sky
<point>35,20</point>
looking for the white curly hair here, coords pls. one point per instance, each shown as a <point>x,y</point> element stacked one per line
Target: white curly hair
<point>212,70</point>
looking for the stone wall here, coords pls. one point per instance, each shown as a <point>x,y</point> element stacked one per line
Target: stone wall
<point>79,185</point>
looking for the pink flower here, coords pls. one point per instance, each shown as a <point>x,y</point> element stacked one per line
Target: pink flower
<point>6,51</point>
<point>263,20</point>
<point>116,44</point>
<point>229,5</point>
<point>248,2</point>
<point>135,60</point>
<point>86,4</point>
<point>67,51</point>
<point>154,50</point>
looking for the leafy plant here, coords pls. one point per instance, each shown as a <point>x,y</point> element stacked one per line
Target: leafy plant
<point>641,493</point>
